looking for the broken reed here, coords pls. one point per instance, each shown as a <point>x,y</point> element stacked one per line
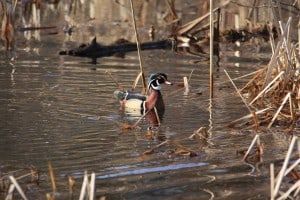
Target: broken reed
<point>275,89</point>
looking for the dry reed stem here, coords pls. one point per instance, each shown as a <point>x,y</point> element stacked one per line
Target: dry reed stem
<point>274,56</point>
<point>14,181</point>
<point>297,192</point>
<point>295,164</point>
<point>271,38</point>
<point>237,90</point>
<point>262,111</point>
<point>257,73</point>
<point>270,84</point>
<point>119,86</point>
<point>291,107</point>
<point>92,186</point>
<point>190,75</point>
<point>280,176</point>
<point>183,148</point>
<point>251,146</point>
<point>252,112</point>
<point>186,85</point>
<point>10,192</point>
<point>23,176</point>
<point>136,81</point>
<point>211,49</point>
<point>71,185</point>
<point>157,116</point>
<point>138,48</point>
<point>52,177</point>
<point>84,186</point>
<point>290,190</point>
<point>279,109</point>
<point>128,126</point>
<point>150,151</point>
<point>272,181</point>
<point>240,77</point>
<point>287,48</point>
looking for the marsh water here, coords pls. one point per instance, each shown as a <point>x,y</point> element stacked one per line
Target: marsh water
<point>61,109</point>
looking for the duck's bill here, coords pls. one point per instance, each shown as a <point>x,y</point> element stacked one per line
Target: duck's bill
<point>168,83</point>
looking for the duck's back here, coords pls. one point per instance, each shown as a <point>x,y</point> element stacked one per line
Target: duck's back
<point>127,95</point>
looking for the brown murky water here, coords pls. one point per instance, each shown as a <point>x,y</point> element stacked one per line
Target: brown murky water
<point>61,109</point>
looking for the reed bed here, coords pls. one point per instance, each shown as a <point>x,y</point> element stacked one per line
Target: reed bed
<point>273,94</point>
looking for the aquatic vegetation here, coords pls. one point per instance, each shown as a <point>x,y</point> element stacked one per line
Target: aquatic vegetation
<point>271,96</point>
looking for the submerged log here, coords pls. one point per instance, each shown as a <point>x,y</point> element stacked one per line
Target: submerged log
<point>96,50</point>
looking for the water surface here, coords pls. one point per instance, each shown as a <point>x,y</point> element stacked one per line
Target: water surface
<point>62,109</point>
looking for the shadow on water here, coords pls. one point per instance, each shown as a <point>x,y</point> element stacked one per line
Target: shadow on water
<point>62,109</point>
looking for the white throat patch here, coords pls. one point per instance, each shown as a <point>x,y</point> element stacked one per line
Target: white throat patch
<point>158,87</point>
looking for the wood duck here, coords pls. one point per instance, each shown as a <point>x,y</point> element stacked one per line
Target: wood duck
<point>139,103</point>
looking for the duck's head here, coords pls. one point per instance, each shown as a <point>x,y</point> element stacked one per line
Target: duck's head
<point>155,81</point>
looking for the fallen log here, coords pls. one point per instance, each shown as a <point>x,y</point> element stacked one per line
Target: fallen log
<point>96,50</point>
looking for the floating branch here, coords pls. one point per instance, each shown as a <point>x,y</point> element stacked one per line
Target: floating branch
<point>96,50</point>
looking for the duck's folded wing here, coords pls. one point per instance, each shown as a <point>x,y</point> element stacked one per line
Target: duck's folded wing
<point>126,95</point>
